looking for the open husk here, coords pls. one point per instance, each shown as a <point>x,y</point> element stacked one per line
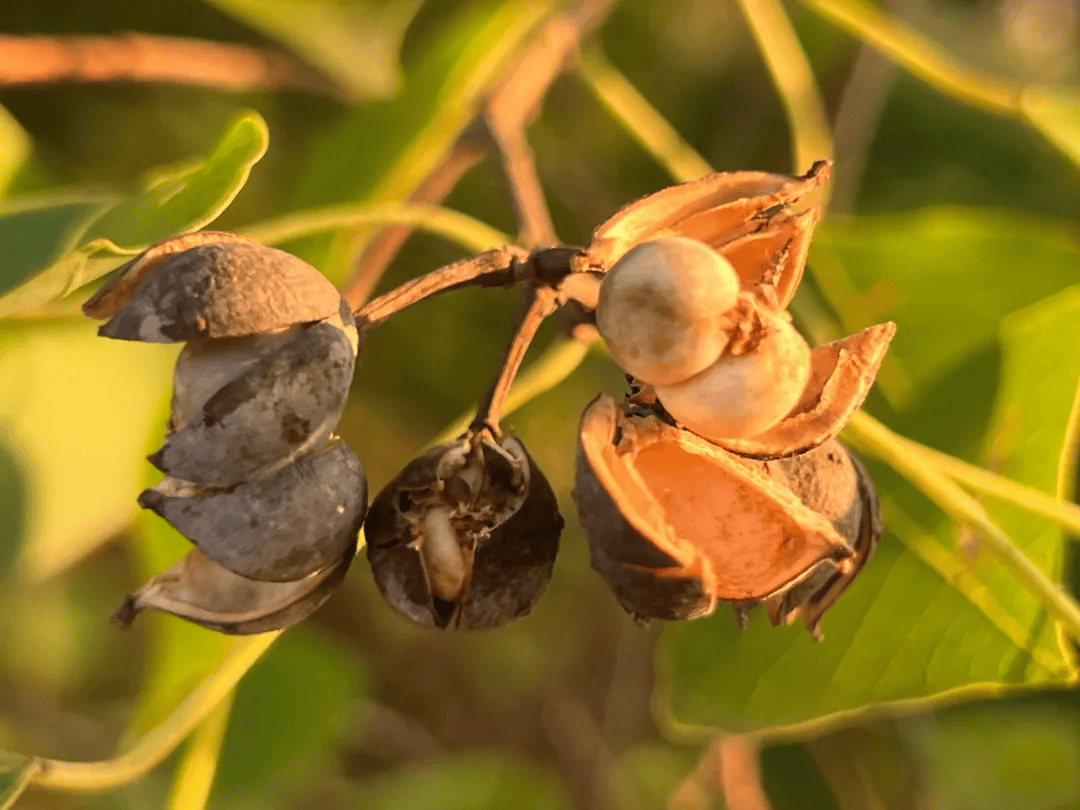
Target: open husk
<point>676,523</point>
<point>465,537</point>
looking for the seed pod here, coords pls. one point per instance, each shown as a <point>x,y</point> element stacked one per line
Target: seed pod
<point>278,528</point>
<point>465,537</point>
<point>223,286</point>
<point>676,523</point>
<point>749,218</point>
<point>742,395</point>
<point>662,309</point>
<point>281,405</point>
<point>199,590</point>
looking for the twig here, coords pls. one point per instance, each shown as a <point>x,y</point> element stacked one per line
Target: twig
<point>520,94</point>
<point>195,772</point>
<point>538,303</point>
<point>132,57</point>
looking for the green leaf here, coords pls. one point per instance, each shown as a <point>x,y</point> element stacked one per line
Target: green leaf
<point>1055,112</point>
<point>947,276</point>
<point>14,147</point>
<point>289,710</point>
<point>16,771</point>
<point>79,409</point>
<point>355,41</point>
<point>925,619</point>
<point>479,781</point>
<point>69,247</point>
<point>14,502</point>
<point>381,152</point>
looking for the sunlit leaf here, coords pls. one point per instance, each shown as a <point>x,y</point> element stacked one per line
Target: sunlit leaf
<point>355,41</point>
<point>14,502</point>
<point>945,275</point>
<point>465,782</point>
<point>67,251</point>
<point>79,408</point>
<point>382,151</point>
<point>1056,113</point>
<point>14,147</point>
<point>289,710</point>
<point>930,616</point>
<point>15,775</point>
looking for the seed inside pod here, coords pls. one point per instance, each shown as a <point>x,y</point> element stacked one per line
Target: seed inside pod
<point>745,394</point>
<point>676,523</point>
<point>465,537</point>
<point>221,289</point>
<point>199,590</point>
<point>662,309</point>
<point>280,406</point>
<point>278,528</point>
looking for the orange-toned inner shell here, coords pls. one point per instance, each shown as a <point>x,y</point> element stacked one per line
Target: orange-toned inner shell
<point>720,516</point>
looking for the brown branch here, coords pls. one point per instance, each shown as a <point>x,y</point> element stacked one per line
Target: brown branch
<point>516,98</point>
<point>132,57</point>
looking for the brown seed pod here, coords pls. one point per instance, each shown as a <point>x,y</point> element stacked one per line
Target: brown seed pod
<point>750,218</point>
<point>278,528</point>
<point>199,590</point>
<point>210,285</point>
<point>465,537</point>
<point>676,523</point>
<point>285,401</point>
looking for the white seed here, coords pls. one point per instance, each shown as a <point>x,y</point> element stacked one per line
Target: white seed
<point>740,396</point>
<point>661,309</point>
<point>443,557</point>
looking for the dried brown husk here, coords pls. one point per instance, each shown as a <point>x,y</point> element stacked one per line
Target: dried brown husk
<point>676,523</point>
<point>746,214</point>
<point>277,528</point>
<point>194,287</point>
<point>841,375</point>
<point>283,403</point>
<point>199,590</point>
<point>506,525</point>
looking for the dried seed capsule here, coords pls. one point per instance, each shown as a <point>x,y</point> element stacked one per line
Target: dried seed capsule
<point>465,536</point>
<point>676,523</point>
<point>662,309</point>
<point>227,287</point>
<point>199,590</point>
<point>281,406</point>
<point>743,395</point>
<point>278,528</point>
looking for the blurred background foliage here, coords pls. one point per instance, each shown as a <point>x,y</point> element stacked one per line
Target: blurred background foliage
<point>952,221</point>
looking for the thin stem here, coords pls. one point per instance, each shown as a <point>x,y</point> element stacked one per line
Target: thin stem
<point>1063,513</point>
<point>794,80</point>
<point>195,773</point>
<point>535,228</point>
<point>27,60</point>
<point>920,56</point>
<point>151,749</point>
<point>538,303</point>
<point>641,119</point>
<point>871,436</point>
<point>492,267</point>
<point>469,232</point>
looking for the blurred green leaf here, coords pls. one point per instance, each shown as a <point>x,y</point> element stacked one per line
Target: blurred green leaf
<point>381,152</point>
<point>288,713</point>
<point>68,249</point>
<point>80,409</point>
<point>15,774</point>
<point>14,147</point>
<point>478,781</point>
<point>355,41</point>
<point>14,502</point>
<point>1056,113</point>
<point>924,619</point>
<point>947,276</point>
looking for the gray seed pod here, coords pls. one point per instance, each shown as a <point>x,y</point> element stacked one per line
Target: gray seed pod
<point>226,288</point>
<point>466,536</point>
<point>280,528</point>
<point>280,406</point>
<point>199,590</point>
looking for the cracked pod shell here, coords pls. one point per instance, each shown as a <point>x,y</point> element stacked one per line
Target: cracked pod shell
<point>676,524</point>
<point>277,528</point>
<point>506,523</point>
